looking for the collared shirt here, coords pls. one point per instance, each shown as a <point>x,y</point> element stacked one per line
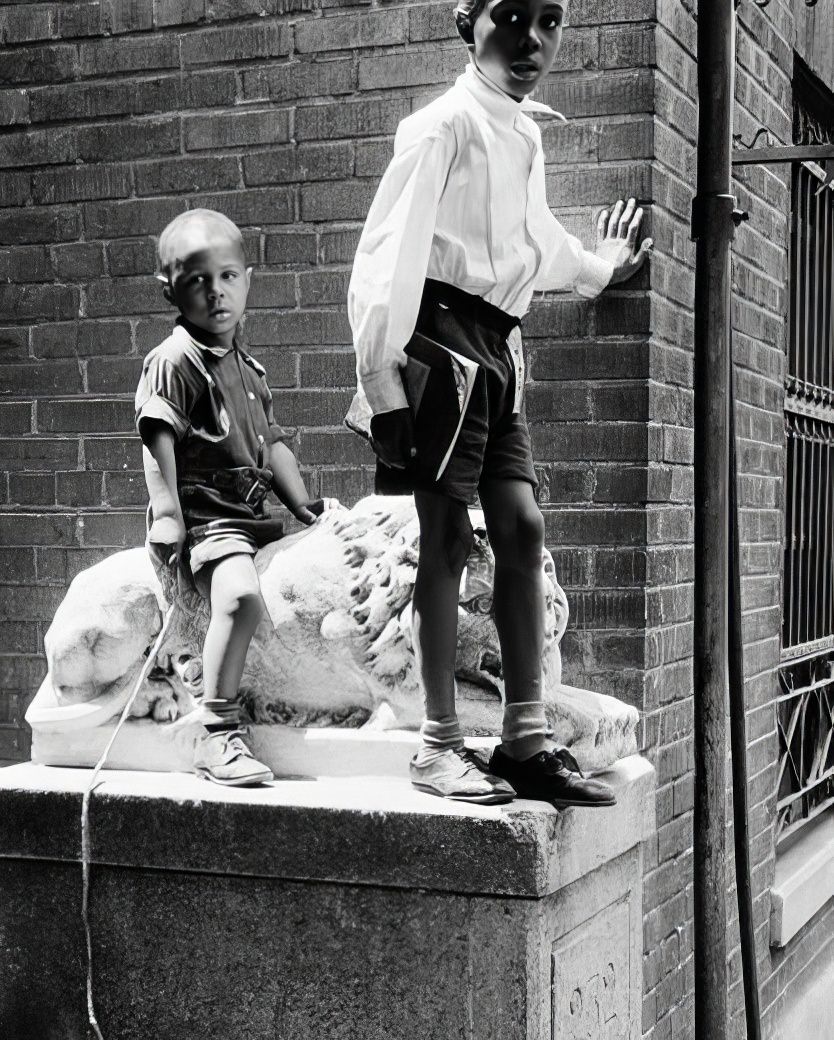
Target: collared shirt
<point>218,404</point>
<point>463,201</point>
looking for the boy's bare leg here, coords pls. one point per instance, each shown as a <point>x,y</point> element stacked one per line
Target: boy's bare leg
<point>445,544</point>
<point>236,609</point>
<point>442,765</point>
<point>516,533</point>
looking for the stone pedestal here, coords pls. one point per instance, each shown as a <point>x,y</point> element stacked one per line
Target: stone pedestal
<point>336,908</point>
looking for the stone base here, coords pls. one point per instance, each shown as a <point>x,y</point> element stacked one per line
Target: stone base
<point>349,908</point>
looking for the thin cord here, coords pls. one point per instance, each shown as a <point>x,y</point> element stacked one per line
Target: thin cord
<point>85,814</point>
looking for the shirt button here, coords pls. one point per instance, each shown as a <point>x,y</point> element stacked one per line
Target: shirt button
<point>251,396</point>
<point>260,438</point>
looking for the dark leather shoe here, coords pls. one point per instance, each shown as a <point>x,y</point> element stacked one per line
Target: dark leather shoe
<point>551,776</point>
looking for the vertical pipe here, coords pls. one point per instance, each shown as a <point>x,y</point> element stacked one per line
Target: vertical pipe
<point>713,231</point>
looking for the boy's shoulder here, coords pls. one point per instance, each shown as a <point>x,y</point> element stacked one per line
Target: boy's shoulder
<point>450,114</point>
<point>177,351</point>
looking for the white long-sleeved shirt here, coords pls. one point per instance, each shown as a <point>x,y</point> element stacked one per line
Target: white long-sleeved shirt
<point>462,201</point>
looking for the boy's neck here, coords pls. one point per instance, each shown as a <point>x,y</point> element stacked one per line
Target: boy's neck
<point>492,83</point>
<point>228,340</point>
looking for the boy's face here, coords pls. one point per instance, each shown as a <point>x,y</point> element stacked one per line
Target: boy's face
<point>209,285</point>
<point>516,42</point>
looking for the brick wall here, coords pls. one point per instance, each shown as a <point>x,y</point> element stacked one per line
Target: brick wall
<point>120,113</point>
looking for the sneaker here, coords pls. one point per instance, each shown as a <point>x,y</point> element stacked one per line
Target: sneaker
<point>552,776</point>
<point>223,758</point>
<point>458,773</point>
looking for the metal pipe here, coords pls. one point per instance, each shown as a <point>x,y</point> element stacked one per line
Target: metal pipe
<point>713,231</point>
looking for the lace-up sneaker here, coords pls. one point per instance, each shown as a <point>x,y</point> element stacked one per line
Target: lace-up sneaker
<point>223,758</point>
<point>552,776</point>
<point>458,773</point>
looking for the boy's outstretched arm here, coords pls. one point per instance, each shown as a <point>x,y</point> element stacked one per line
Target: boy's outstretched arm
<point>167,534</point>
<point>287,483</point>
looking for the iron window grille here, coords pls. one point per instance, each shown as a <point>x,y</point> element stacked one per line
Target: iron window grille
<point>805,707</point>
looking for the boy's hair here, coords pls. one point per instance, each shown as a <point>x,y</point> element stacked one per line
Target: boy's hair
<point>466,14</point>
<point>168,250</point>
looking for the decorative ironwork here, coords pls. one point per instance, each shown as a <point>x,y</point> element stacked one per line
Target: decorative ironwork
<point>806,742</point>
<point>806,703</point>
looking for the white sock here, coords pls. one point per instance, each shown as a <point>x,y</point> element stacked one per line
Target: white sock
<point>525,731</point>
<point>438,737</point>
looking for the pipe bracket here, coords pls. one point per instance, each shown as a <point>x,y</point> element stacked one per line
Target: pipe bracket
<point>713,209</point>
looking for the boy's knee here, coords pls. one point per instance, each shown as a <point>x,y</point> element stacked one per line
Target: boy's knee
<point>448,543</point>
<point>519,541</point>
<point>243,605</point>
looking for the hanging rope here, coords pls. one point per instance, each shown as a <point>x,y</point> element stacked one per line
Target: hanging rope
<point>85,814</point>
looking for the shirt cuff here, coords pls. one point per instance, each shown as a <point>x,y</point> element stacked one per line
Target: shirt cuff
<point>594,275</point>
<point>384,390</point>
<point>163,411</point>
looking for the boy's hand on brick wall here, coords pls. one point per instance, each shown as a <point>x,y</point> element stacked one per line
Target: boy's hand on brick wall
<point>617,234</point>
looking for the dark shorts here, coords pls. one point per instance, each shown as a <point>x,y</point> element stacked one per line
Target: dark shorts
<point>494,442</point>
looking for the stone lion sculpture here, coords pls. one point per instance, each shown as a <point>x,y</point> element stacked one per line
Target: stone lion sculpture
<point>333,650</point>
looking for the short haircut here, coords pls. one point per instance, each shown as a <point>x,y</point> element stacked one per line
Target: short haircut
<point>209,222</point>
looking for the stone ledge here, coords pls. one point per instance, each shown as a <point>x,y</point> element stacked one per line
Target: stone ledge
<point>804,880</point>
<point>356,830</point>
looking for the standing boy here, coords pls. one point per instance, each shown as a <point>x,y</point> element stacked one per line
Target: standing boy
<point>456,241</point>
<point>212,452</point>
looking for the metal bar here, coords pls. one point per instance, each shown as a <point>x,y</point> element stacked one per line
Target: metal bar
<point>713,220</point>
<point>782,154</point>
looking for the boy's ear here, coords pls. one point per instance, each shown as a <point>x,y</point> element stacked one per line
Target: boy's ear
<point>166,287</point>
<point>248,277</point>
<point>465,28</point>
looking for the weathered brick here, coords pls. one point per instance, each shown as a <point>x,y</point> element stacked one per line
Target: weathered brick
<point>271,289</point>
<point>113,375</point>
<point>52,224</point>
<point>78,261</point>
<point>79,488</point>
<point>125,489</point>
<point>235,43</point>
<point>14,107</point>
<point>300,80</point>
<point>328,368</point>
<point>85,338</point>
<point>349,119</point>
<point>15,188</point>
<point>15,417</point>
<point>133,138</point>
<point>384,71</point>
<point>134,217</point>
<point>255,207</point>
<point>120,530</point>
<point>317,288</point>
<point>163,94</point>
<point>82,182</point>
<point>337,247</point>
<point>81,19</point>
<point>87,415</point>
<point>52,302</point>
<point>25,264</point>
<point>373,28</point>
<point>311,162</point>
<point>27,529</point>
<point>299,327</point>
<point>244,128</point>
<point>290,247</point>
<point>113,453</point>
<point>127,256</point>
<point>347,200</point>
<point>171,176</point>
<point>131,54</point>
<point>39,64</point>
<point>32,489</point>
<point>128,16</point>
<point>130,295</point>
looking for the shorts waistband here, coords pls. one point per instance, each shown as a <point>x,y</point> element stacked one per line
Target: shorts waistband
<point>468,305</point>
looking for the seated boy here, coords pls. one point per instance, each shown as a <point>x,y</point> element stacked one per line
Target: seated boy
<point>213,451</point>
<point>456,241</point>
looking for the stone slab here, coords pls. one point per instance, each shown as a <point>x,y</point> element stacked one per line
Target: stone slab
<point>358,830</point>
<point>804,879</point>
